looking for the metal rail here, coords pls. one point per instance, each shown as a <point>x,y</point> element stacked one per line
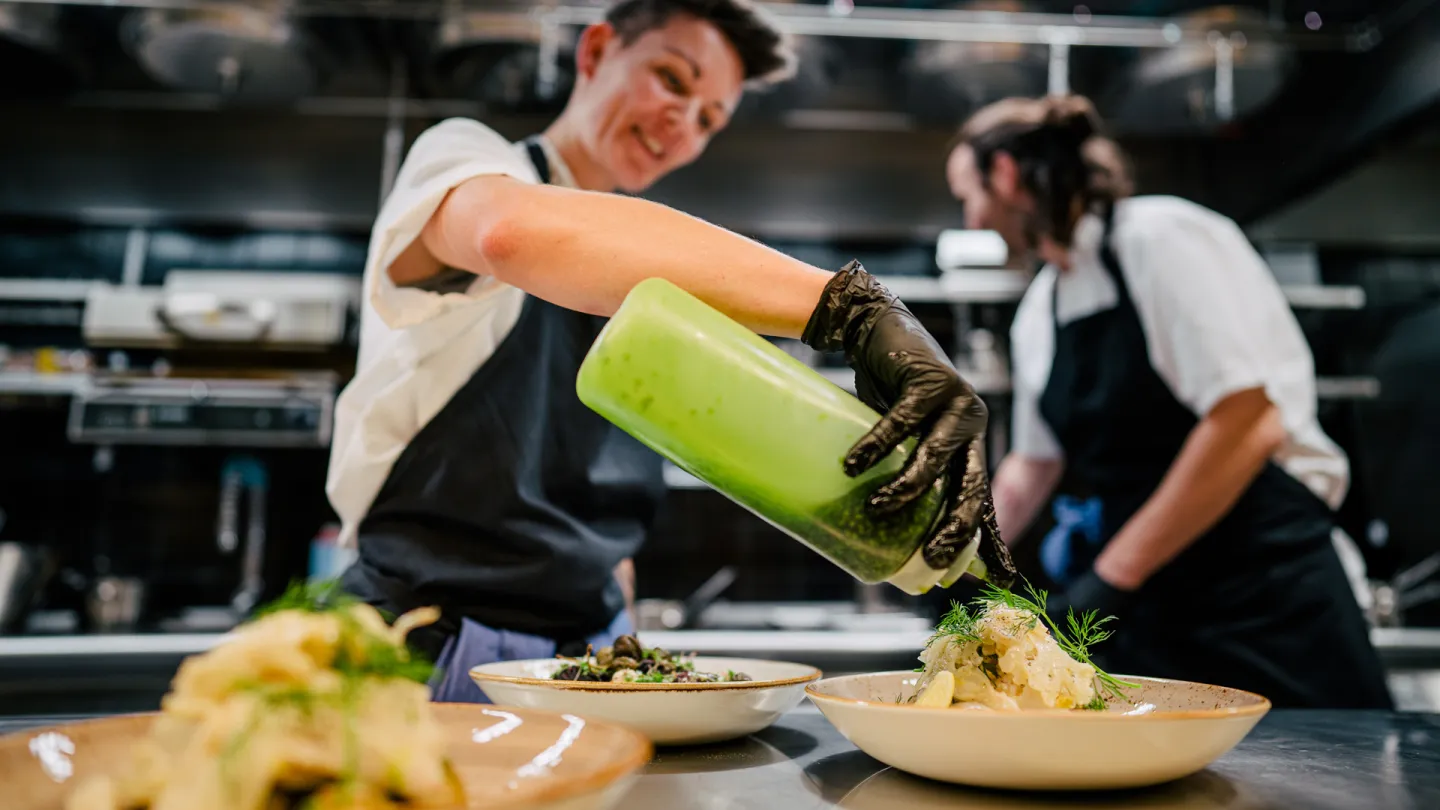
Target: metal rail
<point>837,21</point>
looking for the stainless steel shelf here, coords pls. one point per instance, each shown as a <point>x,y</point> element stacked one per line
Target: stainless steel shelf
<point>1008,286</point>
<point>30,383</point>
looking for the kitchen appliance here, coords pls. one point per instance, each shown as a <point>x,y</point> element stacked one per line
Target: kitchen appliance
<point>244,474</point>
<point>199,407</point>
<point>114,604</point>
<point>244,51</point>
<point>509,62</point>
<point>1197,87</point>
<point>239,341</point>
<point>220,309</point>
<point>34,58</point>
<point>950,80</point>
<point>24,571</point>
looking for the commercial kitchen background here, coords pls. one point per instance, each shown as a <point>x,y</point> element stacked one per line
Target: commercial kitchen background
<point>186,191</point>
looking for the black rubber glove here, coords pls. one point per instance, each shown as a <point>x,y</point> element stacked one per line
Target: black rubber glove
<point>903,373</point>
<point>1088,592</point>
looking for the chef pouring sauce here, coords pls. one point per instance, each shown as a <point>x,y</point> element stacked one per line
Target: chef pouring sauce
<point>1157,361</point>
<point>465,468</point>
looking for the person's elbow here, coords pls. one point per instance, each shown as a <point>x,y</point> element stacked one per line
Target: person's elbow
<point>1254,416</point>
<point>492,221</point>
<point>1270,432</point>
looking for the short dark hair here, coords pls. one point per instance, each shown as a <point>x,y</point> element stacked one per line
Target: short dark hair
<point>765,51</point>
<point>1064,157</point>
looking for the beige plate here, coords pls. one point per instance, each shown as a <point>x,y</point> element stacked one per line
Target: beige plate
<point>670,713</point>
<point>1169,729</point>
<point>506,758</point>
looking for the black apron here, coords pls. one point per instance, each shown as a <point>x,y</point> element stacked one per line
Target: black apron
<point>1260,602</point>
<point>515,503</point>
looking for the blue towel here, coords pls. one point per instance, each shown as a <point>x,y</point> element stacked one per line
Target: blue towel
<point>477,644</point>
<point>1070,548</point>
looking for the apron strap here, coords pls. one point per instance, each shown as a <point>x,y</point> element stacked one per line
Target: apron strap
<point>538,158</point>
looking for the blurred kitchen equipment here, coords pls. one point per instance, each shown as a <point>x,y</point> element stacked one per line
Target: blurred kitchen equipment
<point>234,334</point>
<point>1409,588</point>
<point>509,62</point>
<point>261,409</point>
<point>24,570</point>
<point>950,80</point>
<point>274,311</point>
<point>114,604</point>
<point>1180,88</point>
<point>244,51</point>
<point>669,614</point>
<point>241,475</point>
<point>34,61</point>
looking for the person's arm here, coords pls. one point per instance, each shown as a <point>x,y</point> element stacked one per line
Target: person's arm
<point>585,251</point>
<point>1220,458</point>
<point>1022,486</point>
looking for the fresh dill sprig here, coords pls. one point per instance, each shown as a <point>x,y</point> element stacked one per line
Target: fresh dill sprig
<point>311,597</point>
<point>960,623</point>
<point>1085,631</point>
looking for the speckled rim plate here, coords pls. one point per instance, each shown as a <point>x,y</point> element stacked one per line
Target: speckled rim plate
<point>787,674</point>
<point>517,766</point>
<point>1246,704</point>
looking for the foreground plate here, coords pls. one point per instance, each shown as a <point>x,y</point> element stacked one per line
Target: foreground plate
<point>506,758</point>
<point>669,713</point>
<point>1173,729</point>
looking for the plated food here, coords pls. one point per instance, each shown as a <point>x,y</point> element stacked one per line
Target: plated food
<point>1008,698</point>
<point>673,700</point>
<point>317,704</point>
<point>1004,652</point>
<point>627,661</point>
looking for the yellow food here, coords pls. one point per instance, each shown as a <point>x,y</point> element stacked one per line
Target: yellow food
<point>320,703</point>
<point>1005,659</point>
<point>940,693</point>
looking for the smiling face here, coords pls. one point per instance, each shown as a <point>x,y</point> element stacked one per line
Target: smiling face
<point>651,106</point>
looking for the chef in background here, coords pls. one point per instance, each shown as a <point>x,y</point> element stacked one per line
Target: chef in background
<point>465,468</point>
<point>1158,362</point>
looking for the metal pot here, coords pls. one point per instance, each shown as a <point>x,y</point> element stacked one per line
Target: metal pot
<point>24,571</point>
<point>947,81</point>
<point>33,59</point>
<point>1175,89</point>
<point>251,51</point>
<point>114,604</point>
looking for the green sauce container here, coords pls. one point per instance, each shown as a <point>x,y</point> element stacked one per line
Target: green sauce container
<point>762,428</point>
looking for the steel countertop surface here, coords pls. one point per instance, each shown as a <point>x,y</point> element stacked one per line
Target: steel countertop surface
<point>1293,760</point>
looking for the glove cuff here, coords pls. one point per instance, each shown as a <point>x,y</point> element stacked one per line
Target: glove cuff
<point>850,304</point>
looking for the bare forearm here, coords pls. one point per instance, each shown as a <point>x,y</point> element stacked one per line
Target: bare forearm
<point>586,250</point>
<point>1021,487</point>
<point>1219,460</point>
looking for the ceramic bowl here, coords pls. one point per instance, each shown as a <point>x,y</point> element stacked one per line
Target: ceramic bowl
<point>1166,730</point>
<point>506,759</point>
<point>667,713</point>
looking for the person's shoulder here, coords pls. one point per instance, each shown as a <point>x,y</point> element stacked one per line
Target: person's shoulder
<point>465,134</point>
<point>1158,216</point>
<point>1032,314</point>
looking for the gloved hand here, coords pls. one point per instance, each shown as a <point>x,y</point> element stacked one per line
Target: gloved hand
<point>903,373</point>
<point>1088,592</point>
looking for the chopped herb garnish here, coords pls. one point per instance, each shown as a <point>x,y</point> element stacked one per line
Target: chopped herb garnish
<point>1084,631</point>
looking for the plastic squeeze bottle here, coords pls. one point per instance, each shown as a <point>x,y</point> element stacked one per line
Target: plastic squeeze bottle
<point>763,429</point>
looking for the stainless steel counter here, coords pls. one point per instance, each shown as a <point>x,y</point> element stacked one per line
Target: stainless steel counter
<point>851,651</point>
<point>1294,760</point>
<point>131,672</point>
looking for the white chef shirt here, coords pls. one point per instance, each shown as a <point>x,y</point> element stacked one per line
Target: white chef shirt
<point>418,347</point>
<point>1215,322</point>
